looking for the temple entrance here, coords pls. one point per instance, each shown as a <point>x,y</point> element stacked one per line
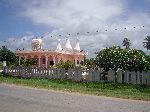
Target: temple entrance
<point>51,63</point>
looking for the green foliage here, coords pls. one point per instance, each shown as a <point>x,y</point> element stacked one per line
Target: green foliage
<point>28,62</point>
<point>8,56</point>
<point>125,59</point>
<point>147,43</point>
<point>65,64</point>
<point>1,66</point>
<point>90,62</point>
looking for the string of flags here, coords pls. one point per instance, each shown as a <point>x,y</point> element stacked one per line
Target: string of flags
<point>97,31</point>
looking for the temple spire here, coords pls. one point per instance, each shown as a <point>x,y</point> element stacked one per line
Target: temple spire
<point>59,48</point>
<point>77,46</point>
<point>67,46</point>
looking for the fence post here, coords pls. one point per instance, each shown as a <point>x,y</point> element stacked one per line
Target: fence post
<point>148,78</point>
<point>138,77</point>
<point>126,76</point>
<point>97,75</point>
<point>144,77</point>
<point>119,76</point>
<point>133,77</point>
<point>111,76</point>
<point>89,77</point>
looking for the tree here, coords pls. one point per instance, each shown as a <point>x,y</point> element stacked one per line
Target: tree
<point>126,59</point>
<point>147,43</point>
<point>65,64</point>
<point>8,56</point>
<point>90,62</point>
<point>126,43</point>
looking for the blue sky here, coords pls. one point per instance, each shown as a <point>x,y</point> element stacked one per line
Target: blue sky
<point>21,19</point>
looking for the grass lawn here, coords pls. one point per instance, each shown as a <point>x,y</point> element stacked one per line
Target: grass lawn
<point>126,91</point>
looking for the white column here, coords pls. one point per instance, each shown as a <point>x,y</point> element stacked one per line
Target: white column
<point>54,60</point>
<point>46,60</point>
<point>39,61</point>
<point>76,61</point>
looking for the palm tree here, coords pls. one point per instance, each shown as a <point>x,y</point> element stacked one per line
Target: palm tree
<point>147,43</point>
<point>126,43</point>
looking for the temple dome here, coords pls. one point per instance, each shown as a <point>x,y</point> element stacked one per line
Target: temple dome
<point>77,46</point>
<point>67,46</point>
<point>59,48</point>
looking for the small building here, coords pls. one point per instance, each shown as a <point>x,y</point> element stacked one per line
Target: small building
<point>46,58</point>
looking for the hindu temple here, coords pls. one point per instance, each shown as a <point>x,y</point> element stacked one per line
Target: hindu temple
<point>46,58</point>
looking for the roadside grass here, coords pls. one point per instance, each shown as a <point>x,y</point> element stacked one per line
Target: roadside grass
<point>127,91</point>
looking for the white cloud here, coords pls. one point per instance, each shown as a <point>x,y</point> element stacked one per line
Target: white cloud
<point>66,13</point>
<point>72,16</point>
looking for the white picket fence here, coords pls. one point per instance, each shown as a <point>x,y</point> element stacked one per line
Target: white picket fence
<point>91,75</point>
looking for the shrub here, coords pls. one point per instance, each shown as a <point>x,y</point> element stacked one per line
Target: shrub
<point>125,59</point>
<point>65,64</point>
